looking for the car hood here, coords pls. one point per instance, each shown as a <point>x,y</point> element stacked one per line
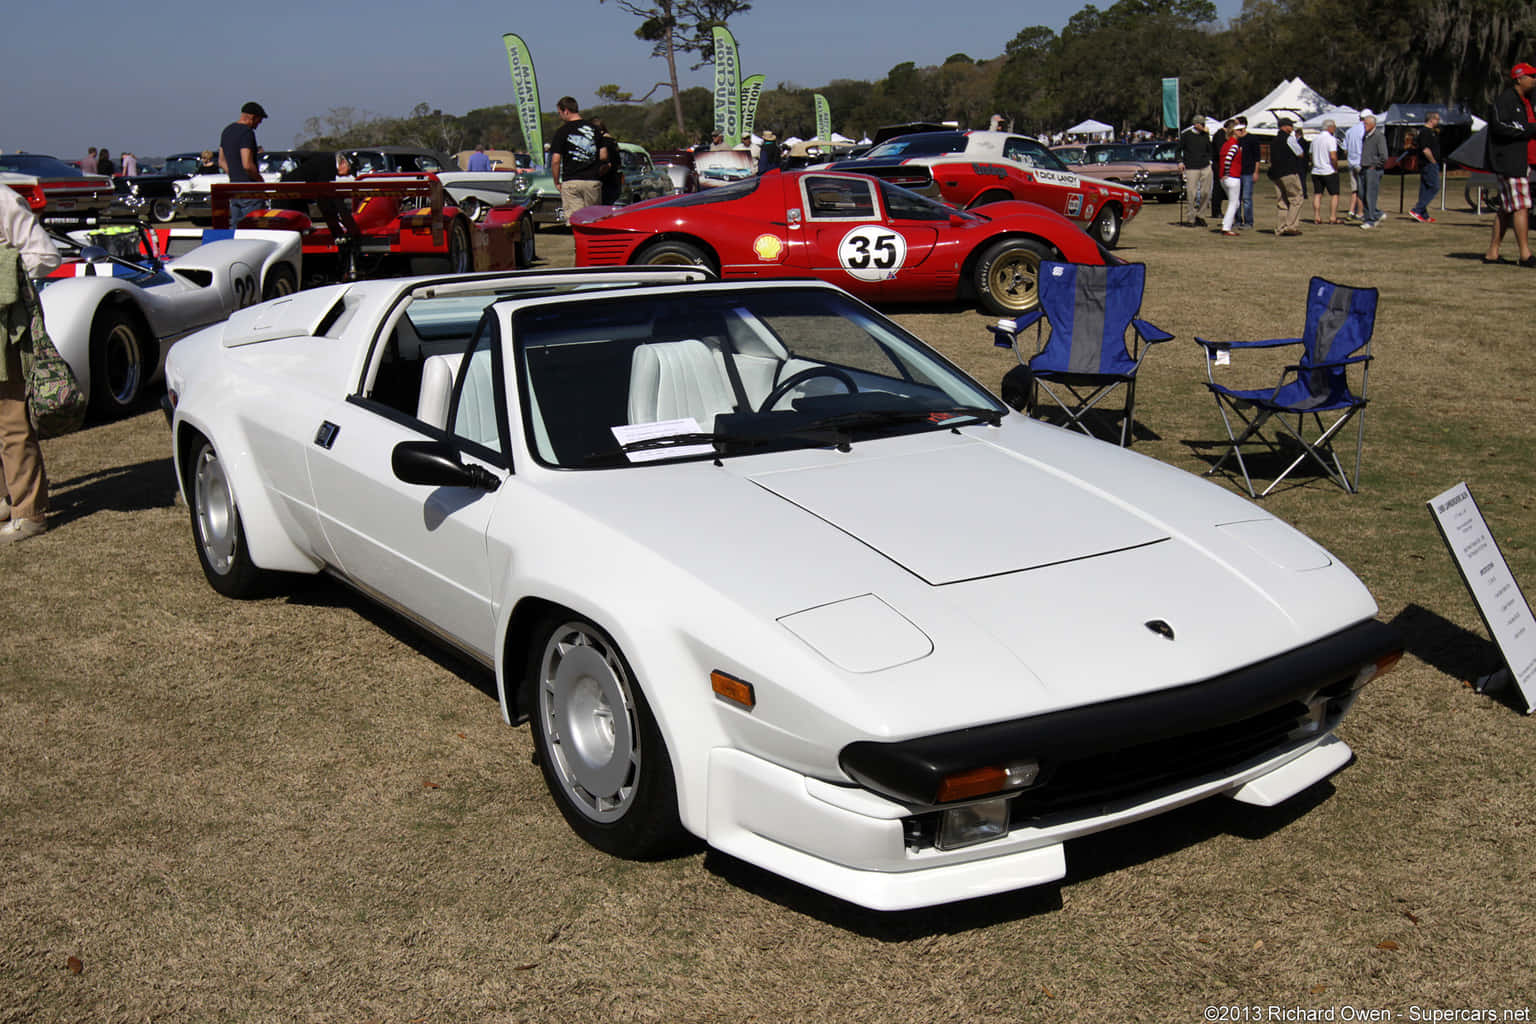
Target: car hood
<point>1021,562</point>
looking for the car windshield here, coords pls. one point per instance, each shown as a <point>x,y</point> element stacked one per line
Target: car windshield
<point>718,194</point>
<point>1031,154</point>
<point>280,162</point>
<point>38,165</point>
<point>922,144</point>
<point>723,371</point>
<point>183,164</point>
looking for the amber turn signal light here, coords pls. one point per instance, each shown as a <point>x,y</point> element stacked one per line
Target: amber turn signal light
<point>732,689</point>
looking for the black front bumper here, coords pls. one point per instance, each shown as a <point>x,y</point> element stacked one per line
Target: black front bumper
<point>1099,751</point>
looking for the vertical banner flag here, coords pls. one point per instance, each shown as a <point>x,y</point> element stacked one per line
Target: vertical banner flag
<point>823,119</point>
<point>1171,103</point>
<point>751,89</point>
<point>727,87</point>
<point>525,87</point>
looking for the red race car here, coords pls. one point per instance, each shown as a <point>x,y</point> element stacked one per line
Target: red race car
<point>878,241</point>
<point>971,169</point>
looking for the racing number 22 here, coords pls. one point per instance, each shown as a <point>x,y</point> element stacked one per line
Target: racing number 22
<point>246,293</point>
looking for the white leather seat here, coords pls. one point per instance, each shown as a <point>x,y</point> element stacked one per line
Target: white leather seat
<point>671,380</point>
<point>437,374</point>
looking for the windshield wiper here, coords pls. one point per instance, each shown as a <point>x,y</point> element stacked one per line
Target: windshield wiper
<point>882,417</point>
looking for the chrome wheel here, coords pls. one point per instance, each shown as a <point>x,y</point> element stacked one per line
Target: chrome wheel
<point>215,521</point>
<point>1106,227</point>
<point>472,208</point>
<point>162,210</point>
<point>589,722</point>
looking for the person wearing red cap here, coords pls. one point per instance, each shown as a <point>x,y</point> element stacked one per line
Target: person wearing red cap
<point>1511,152</point>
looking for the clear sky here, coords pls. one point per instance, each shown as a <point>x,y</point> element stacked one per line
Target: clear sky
<point>158,78</point>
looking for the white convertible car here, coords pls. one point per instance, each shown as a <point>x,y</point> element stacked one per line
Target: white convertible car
<point>762,568</point>
<point>114,317</point>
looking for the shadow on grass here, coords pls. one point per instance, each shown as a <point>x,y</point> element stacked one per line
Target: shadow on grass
<point>1263,464</point>
<point>325,592</point>
<point>1087,858</point>
<point>1453,650</point>
<point>135,488</point>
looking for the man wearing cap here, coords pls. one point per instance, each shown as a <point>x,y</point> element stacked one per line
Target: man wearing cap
<point>1286,161</point>
<point>1195,162</point>
<point>1511,152</point>
<point>237,157</point>
<point>1354,139</point>
<point>768,155</point>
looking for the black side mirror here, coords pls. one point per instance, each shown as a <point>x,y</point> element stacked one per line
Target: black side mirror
<point>94,254</point>
<point>435,464</point>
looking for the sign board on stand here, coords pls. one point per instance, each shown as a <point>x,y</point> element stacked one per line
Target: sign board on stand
<point>1498,597</point>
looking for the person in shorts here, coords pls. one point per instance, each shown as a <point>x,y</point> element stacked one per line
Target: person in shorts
<point>1511,151</point>
<point>1325,173</point>
<point>576,158</point>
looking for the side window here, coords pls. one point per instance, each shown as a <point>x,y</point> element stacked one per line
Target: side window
<point>426,163</point>
<point>839,198</point>
<point>1024,151</point>
<point>475,416</point>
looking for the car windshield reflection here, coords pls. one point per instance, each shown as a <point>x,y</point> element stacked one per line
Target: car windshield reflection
<point>721,373</point>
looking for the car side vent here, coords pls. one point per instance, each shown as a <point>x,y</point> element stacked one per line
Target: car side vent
<point>201,278</point>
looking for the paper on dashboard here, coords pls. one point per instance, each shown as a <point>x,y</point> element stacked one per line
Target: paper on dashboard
<point>632,432</point>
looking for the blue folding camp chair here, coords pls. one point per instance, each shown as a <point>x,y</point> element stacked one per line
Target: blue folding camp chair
<point>1086,357</point>
<point>1340,321</point>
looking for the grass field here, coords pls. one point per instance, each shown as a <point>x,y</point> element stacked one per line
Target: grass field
<point>297,809</point>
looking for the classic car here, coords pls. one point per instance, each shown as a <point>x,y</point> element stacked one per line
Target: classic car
<point>1126,164</point>
<point>193,194</point>
<point>677,164</point>
<point>382,159</point>
<point>153,195</point>
<point>642,179</point>
<point>124,296</point>
<point>68,194</point>
<point>881,242</point>
<point>710,539</point>
<point>970,169</point>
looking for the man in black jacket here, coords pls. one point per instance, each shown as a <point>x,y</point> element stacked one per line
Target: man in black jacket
<point>1195,152</point>
<point>1511,150</point>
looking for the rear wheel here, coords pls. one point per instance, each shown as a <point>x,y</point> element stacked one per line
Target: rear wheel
<point>280,281</point>
<point>601,753</point>
<point>527,245</point>
<point>1106,227</point>
<point>217,531</point>
<point>121,361</point>
<point>460,256</point>
<point>1007,275</point>
<point>677,254</point>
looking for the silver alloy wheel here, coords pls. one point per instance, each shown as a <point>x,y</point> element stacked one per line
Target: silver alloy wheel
<point>123,359</point>
<point>587,712</point>
<point>218,525</point>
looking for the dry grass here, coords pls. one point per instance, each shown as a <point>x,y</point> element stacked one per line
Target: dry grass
<point>296,810</point>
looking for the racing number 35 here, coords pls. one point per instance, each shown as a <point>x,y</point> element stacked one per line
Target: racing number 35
<point>872,253</point>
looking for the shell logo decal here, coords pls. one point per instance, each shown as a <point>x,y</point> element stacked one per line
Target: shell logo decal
<point>768,248</point>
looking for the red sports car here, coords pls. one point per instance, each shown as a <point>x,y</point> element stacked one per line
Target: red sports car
<point>974,168</point>
<point>878,241</point>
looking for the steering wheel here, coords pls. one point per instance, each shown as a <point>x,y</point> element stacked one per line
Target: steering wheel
<point>789,383</point>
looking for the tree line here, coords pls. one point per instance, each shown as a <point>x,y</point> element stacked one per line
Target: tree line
<point>1106,64</point>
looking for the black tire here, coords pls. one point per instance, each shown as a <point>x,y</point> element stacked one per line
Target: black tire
<point>1106,227</point>
<point>1007,275</point>
<point>122,358</point>
<point>1491,200</point>
<point>218,533</point>
<point>473,208</point>
<point>280,281</point>
<point>527,246</point>
<point>162,210</point>
<point>994,196</point>
<point>677,254</point>
<point>601,753</point>
<point>461,257</point>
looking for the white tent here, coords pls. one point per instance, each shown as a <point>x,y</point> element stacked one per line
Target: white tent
<point>1292,98</point>
<point>1090,127</point>
<point>1343,118</point>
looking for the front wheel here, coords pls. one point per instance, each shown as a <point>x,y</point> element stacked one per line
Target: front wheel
<point>1007,275</point>
<point>677,254</point>
<point>601,753</point>
<point>217,531</point>
<point>162,210</point>
<point>472,208</point>
<point>280,282</point>
<point>1106,227</point>
<point>527,244</point>
<point>121,361</point>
